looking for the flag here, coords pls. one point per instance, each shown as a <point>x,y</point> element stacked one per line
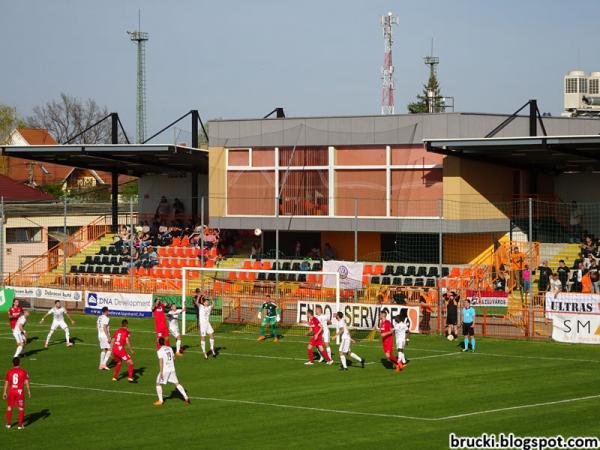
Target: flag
<point>6,298</point>
<point>350,274</point>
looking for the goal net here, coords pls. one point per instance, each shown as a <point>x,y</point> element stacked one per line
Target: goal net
<point>238,294</point>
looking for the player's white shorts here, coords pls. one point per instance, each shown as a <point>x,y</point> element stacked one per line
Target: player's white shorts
<point>58,323</point>
<point>326,335</point>
<point>168,377</point>
<point>206,328</point>
<point>19,337</point>
<point>345,345</point>
<point>400,343</point>
<point>174,330</point>
<point>103,341</point>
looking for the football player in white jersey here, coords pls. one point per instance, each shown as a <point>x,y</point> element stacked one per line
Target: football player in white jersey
<point>343,333</point>
<point>173,318</point>
<point>401,333</point>
<point>103,338</point>
<point>20,334</point>
<point>59,312</point>
<point>326,334</point>
<point>166,373</point>
<point>206,329</point>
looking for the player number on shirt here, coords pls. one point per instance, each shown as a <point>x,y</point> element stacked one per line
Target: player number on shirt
<point>15,379</point>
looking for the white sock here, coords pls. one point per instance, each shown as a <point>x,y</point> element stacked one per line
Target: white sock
<point>178,345</point>
<point>203,345</point>
<point>159,392</point>
<point>102,355</point>
<point>19,350</point>
<point>329,352</point>
<point>212,344</point>
<point>401,357</point>
<point>356,357</point>
<point>182,391</point>
<point>49,336</point>
<point>67,335</point>
<point>106,357</point>
<point>343,360</point>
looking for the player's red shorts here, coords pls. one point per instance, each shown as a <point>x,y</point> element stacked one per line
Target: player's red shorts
<point>162,332</point>
<point>316,342</point>
<point>16,397</point>
<point>120,354</point>
<point>388,346</point>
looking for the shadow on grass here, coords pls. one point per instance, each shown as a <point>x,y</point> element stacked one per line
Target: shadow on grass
<point>34,417</point>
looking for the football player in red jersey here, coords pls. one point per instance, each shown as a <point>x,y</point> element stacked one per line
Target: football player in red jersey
<point>120,341</point>
<point>316,339</point>
<point>14,312</point>
<point>387,336</point>
<point>160,322</point>
<point>15,382</point>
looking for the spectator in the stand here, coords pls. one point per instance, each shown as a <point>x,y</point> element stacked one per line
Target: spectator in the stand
<point>125,257</point>
<point>163,210</point>
<point>594,277</point>
<point>544,280</point>
<point>516,259</point>
<point>178,209</point>
<point>588,248</point>
<point>328,252</point>
<point>425,314</point>
<point>575,222</point>
<point>556,285</point>
<point>298,249</point>
<point>563,274</point>
<point>500,282</point>
<point>149,259</point>
<point>586,282</point>
<point>526,281</point>
<point>315,253</point>
<point>577,277</point>
<point>256,250</point>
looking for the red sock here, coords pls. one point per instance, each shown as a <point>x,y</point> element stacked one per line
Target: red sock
<point>8,416</point>
<point>21,416</point>
<point>326,355</point>
<point>167,342</point>
<point>393,359</point>
<point>130,371</point>
<point>310,355</point>
<point>117,369</point>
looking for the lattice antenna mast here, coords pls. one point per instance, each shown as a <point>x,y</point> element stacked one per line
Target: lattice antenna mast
<point>140,38</point>
<point>387,70</point>
<point>432,62</point>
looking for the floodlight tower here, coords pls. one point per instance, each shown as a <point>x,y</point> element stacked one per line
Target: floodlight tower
<point>387,70</point>
<point>140,38</point>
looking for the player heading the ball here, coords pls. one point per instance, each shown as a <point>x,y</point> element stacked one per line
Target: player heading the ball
<point>173,315</point>
<point>204,305</point>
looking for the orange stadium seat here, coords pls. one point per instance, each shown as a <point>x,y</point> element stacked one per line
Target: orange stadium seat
<point>176,242</point>
<point>189,252</point>
<point>209,264</point>
<point>365,280</point>
<point>378,269</point>
<point>170,251</point>
<point>180,252</point>
<point>266,265</point>
<point>233,275</point>
<point>162,251</point>
<point>247,264</point>
<point>367,269</point>
<point>185,241</point>
<point>256,265</point>
<point>455,272</point>
<point>312,278</point>
<point>467,272</point>
<point>251,276</point>
<point>242,276</point>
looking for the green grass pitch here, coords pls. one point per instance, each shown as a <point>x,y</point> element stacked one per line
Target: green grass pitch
<point>260,395</point>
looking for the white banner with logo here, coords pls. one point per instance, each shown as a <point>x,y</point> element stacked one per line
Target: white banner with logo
<point>576,328</point>
<point>488,299</point>
<point>351,274</point>
<point>64,295</point>
<point>119,304</point>
<point>566,302</point>
<point>360,316</point>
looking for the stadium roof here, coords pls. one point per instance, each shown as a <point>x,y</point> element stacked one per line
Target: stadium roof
<point>126,159</point>
<point>554,154</point>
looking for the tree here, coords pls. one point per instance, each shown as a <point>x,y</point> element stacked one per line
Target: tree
<point>8,122</point>
<point>432,88</point>
<point>68,116</point>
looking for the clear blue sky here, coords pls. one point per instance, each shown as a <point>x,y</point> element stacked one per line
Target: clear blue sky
<point>242,58</point>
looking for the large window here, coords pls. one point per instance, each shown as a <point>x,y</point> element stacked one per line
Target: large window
<point>251,193</point>
<point>303,156</point>
<point>367,186</point>
<point>304,192</point>
<point>23,235</point>
<point>416,192</point>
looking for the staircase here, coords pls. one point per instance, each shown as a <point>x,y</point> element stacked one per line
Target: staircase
<point>556,252</point>
<point>91,250</point>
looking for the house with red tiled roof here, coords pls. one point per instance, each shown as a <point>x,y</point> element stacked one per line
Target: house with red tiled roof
<point>35,173</point>
<point>13,191</point>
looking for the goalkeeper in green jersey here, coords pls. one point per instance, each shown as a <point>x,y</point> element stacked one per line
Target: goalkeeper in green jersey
<point>270,314</point>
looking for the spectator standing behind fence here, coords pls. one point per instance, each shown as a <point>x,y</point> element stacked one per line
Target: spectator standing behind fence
<point>545,274</point>
<point>516,259</point>
<point>594,277</point>
<point>425,314</point>
<point>163,210</point>
<point>500,282</point>
<point>452,315</point>
<point>575,222</point>
<point>328,252</point>
<point>577,278</point>
<point>256,250</point>
<point>526,280</point>
<point>298,249</point>
<point>563,274</point>
<point>555,284</point>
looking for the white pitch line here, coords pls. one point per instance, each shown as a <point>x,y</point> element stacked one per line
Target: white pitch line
<point>335,411</point>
